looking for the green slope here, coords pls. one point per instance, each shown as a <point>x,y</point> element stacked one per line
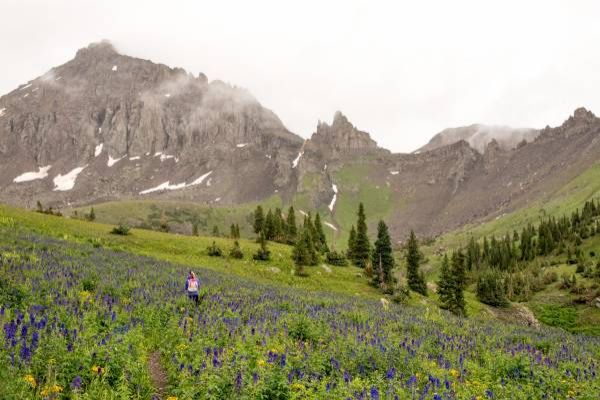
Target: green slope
<point>191,251</point>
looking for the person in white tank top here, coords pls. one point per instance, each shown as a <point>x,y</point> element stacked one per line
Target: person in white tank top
<point>192,285</point>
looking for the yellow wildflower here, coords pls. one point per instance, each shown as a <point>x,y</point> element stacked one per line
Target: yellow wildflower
<point>454,372</point>
<point>96,369</point>
<point>31,380</point>
<point>56,389</point>
<point>261,363</point>
<point>172,398</point>
<point>44,392</point>
<point>298,387</point>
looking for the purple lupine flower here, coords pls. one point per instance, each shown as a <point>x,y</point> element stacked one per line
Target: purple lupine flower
<point>374,393</point>
<point>76,383</point>
<point>391,373</point>
<point>238,381</point>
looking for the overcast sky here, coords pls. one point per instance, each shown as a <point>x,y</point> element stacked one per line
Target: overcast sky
<point>401,70</point>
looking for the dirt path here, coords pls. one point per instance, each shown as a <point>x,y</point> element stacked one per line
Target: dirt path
<point>158,376</point>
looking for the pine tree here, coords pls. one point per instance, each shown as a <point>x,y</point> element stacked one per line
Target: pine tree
<point>362,247</point>
<point>259,220</point>
<point>304,252</point>
<point>237,231</point>
<point>459,280</point>
<point>262,254</point>
<point>383,258</point>
<point>351,244</point>
<point>416,281</point>
<point>445,289</point>
<point>291,229</point>
<point>216,232</point>
<point>232,233</point>
<point>279,226</point>
<point>92,215</point>
<point>269,226</point>
<point>320,240</point>
<point>195,229</point>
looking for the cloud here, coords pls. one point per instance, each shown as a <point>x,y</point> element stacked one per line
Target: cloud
<point>400,70</point>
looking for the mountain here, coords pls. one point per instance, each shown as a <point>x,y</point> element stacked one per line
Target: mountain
<point>108,127</point>
<point>479,136</point>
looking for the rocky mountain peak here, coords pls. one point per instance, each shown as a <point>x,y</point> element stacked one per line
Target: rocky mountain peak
<point>98,49</point>
<point>583,115</point>
<point>341,136</point>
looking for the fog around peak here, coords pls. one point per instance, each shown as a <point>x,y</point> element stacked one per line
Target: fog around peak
<point>401,71</point>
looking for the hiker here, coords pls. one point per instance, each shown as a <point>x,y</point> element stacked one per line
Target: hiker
<point>191,286</point>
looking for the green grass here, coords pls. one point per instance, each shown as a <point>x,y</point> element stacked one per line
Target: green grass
<point>180,216</point>
<point>357,188</point>
<point>191,251</point>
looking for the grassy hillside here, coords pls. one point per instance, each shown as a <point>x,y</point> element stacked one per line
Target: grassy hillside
<point>553,305</point>
<point>191,251</point>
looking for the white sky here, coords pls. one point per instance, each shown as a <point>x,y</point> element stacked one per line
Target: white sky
<point>401,70</point>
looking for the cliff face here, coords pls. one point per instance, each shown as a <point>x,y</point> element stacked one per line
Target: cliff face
<point>105,126</point>
<point>161,124</point>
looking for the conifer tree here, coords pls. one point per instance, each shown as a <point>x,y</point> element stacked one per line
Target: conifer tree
<point>263,253</point>
<point>320,240</point>
<point>92,215</point>
<point>416,281</point>
<point>382,258</point>
<point>292,230</point>
<point>195,229</point>
<point>259,220</point>
<point>216,232</point>
<point>459,280</point>
<point>269,226</point>
<point>232,233</point>
<point>351,244</point>
<point>445,289</point>
<point>362,247</point>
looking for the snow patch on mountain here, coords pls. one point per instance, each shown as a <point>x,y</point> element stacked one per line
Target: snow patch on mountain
<point>31,176</point>
<point>67,182</point>
<point>164,186</point>
<point>297,159</point>
<point>240,145</point>
<point>168,186</point>
<point>114,68</point>
<point>334,199</point>
<point>201,179</point>
<point>98,149</point>
<point>331,226</point>
<point>2,110</point>
<point>113,161</point>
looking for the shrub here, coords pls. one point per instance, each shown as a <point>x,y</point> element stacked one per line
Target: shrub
<point>550,277</point>
<point>276,388</point>
<point>491,290</point>
<point>121,229</point>
<point>302,328</point>
<point>401,294</point>
<point>214,250</point>
<point>236,251</point>
<point>336,258</point>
